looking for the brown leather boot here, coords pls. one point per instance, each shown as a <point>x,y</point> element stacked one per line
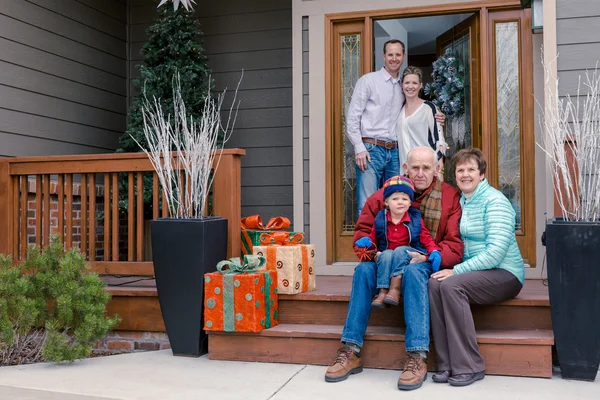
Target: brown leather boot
<point>414,373</point>
<point>346,363</point>
<point>393,296</point>
<point>378,300</point>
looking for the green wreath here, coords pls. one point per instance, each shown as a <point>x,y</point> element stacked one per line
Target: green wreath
<point>447,88</point>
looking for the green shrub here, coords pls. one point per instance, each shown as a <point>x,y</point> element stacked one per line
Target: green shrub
<point>51,309</point>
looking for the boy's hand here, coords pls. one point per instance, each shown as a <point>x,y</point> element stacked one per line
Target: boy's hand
<point>416,257</point>
<point>364,242</point>
<point>435,257</point>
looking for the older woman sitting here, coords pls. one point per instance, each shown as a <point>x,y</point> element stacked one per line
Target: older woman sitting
<point>492,270</point>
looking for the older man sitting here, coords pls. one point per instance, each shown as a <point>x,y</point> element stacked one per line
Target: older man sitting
<point>440,209</point>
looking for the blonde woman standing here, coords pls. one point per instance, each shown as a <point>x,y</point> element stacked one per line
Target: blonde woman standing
<point>416,125</point>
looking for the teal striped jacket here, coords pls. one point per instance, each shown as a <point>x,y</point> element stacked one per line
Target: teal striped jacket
<point>487,228</point>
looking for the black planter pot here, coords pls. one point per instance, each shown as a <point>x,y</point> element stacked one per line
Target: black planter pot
<point>574,287</point>
<point>183,250</point>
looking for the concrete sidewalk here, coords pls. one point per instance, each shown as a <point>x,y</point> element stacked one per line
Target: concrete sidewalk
<point>160,375</point>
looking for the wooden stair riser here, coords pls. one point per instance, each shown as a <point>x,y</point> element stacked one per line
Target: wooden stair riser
<point>500,359</point>
<point>334,313</point>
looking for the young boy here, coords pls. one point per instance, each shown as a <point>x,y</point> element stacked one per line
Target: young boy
<point>397,229</point>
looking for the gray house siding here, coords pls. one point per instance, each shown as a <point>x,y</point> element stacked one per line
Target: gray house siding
<point>255,36</point>
<point>62,76</point>
<point>578,40</point>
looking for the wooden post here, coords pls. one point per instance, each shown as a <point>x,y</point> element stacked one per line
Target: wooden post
<point>6,208</point>
<point>227,197</point>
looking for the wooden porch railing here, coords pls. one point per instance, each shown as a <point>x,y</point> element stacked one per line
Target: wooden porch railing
<point>78,197</point>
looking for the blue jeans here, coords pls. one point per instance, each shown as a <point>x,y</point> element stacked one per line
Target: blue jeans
<point>384,164</point>
<point>392,263</point>
<point>416,304</point>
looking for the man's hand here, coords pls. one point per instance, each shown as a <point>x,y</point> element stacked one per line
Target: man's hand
<point>362,158</point>
<point>416,257</point>
<point>439,117</point>
<point>443,274</point>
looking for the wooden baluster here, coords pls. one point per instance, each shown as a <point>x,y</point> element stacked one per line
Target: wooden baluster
<point>115,217</point>
<point>92,241</point>
<point>23,242</point>
<point>38,210</point>
<point>155,196</point>
<point>130,217</point>
<point>5,207</point>
<point>15,218</point>
<point>182,193</point>
<point>69,211</point>
<point>46,210</point>
<point>107,217</point>
<point>140,217</point>
<point>227,199</point>
<point>61,206</point>
<point>83,212</point>
<point>165,205</point>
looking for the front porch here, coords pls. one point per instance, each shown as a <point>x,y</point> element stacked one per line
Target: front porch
<point>40,196</point>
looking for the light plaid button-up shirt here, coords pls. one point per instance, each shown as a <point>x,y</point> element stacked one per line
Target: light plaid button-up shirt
<point>374,108</point>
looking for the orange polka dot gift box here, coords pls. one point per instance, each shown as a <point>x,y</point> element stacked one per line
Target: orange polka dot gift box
<point>240,297</point>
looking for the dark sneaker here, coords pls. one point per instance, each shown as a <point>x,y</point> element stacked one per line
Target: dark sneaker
<point>346,363</point>
<point>441,377</point>
<point>466,379</point>
<point>414,373</point>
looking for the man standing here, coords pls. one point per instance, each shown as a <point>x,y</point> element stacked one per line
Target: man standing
<point>371,120</point>
<point>440,209</point>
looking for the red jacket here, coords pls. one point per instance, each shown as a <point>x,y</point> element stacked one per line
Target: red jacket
<point>448,234</point>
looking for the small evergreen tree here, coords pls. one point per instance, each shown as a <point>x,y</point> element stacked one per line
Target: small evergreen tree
<point>174,46</point>
<point>51,309</point>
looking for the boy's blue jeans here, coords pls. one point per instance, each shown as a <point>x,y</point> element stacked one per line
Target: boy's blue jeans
<point>392,263</point>
<point>416,304</point>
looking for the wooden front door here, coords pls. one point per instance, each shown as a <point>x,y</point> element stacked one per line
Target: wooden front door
<point>499,119</point>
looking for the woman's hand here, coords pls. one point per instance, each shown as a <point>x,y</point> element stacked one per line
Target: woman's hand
<point>443,274</point>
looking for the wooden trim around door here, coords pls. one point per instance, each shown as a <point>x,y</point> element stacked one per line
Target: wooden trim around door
<point>334,121</point>
<point>434,9</point>
<point>526,237</point>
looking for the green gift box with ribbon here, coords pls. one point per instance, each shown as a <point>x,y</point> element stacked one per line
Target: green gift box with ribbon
<point>240,297</point>
<point>255,233</point>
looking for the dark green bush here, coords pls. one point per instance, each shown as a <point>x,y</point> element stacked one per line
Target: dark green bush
<point>51,309</point>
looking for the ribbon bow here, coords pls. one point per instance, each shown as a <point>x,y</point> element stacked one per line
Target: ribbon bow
<point>281,238</point>
<point>255,222</point>
<point>235,266</point>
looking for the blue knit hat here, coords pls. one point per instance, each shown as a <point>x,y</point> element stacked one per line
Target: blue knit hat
<point>398,184</point>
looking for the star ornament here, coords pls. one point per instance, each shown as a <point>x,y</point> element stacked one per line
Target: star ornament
<point>187,4</point>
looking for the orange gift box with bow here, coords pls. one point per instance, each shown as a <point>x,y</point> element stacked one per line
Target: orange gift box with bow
<point>253,228</point>
<point>241,296</point>
<point>294,263</point>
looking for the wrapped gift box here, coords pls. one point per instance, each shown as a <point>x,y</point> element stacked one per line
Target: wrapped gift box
<point>240,302</point>
<point>295,266</point>
<point>251,238</point>
<point>254,233</point>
